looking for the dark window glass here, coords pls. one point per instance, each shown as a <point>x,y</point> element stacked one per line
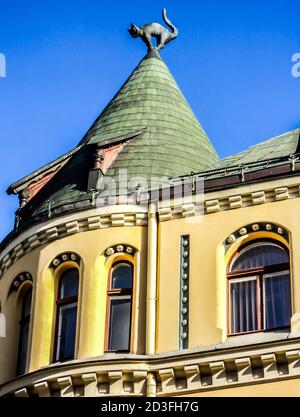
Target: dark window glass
<point>24,332</point>
<point>27,303</point>
<point>67,315</point>
<point>67,331</point>
<point>260,255</point>
<point>120,306</point>
<point>120,313</point>
<point>277,301</point>
<point>121,276</point>
<point>69,284</point>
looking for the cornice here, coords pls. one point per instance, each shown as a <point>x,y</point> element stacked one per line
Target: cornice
<point>128,216</point>
<point>233,199</point>
<point>181,374</point>
<point>70,225</point>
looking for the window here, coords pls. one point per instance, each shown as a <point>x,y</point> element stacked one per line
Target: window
<point>24,332</point>
<point>259,288</point>
<point>119,307</point>
<point>66,315</point>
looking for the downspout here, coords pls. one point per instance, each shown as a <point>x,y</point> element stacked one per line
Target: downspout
<point>151,280</point>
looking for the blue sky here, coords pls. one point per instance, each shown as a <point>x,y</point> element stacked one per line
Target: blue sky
<point>65,61</point>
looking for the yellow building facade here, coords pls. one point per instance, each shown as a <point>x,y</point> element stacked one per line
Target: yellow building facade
<point>186,288</point>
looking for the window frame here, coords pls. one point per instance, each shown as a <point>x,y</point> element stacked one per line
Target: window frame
<point>259,273</point>
<point>61,302</point>
<point>25,320</point>
<point>115,293</point>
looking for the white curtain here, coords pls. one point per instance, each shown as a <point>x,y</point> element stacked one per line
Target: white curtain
<point>243,306</point>
<point>260,255</point>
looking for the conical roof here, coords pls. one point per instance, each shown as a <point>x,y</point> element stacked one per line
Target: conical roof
<point>172,142</point>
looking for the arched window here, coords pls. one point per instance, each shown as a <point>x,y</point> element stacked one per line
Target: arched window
<point>24,332</point>
<point>119,307</point>
<point>259,288</point>
<point>66,315</point>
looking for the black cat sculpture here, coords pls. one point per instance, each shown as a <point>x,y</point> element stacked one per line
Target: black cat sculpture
<point>162,35</point>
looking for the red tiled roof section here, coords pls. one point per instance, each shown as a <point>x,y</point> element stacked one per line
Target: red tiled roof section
<point>110,155</point>
<point>35,187</point>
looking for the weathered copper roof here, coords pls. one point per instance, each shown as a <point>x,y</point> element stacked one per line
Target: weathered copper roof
<point>164,138</point>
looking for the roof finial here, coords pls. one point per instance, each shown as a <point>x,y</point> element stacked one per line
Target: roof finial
<point>162,35</point>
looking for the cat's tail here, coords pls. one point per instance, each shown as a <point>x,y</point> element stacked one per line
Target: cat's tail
<point>170,24</point>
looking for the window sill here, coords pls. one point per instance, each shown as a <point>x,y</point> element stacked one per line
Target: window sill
<point>257,337</point>
<point>286,329</point>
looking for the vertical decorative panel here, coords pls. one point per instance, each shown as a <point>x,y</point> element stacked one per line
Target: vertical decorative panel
<point>184,292</point>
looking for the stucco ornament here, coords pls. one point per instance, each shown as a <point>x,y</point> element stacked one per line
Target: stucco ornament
<point>255,227</point>
<point>110,251</point>
<point>231,239</point>
<point>120,248</point>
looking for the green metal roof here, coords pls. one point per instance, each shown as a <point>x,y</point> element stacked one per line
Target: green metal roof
<point>277,147</point>
<point>172,143</point>
<point>163,139</point>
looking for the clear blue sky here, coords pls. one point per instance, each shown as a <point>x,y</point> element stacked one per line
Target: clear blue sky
<point>66,59</point>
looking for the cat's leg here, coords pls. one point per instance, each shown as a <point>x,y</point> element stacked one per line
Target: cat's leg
<point>147,39</point>
<point>161,42</point>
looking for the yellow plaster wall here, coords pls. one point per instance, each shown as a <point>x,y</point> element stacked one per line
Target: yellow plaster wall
<point>92,297</point>
<point>207,308</point>
<point>11,307</point>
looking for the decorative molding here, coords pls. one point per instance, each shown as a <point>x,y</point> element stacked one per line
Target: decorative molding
<point>90,383</point>
<point>229,202</point>
<point>68,228</point>
<point>256,227</point>
<point>19,280</point>
<point>178,376</point>
<point>65,257</point>
<point>42,389</point>
<point>176,211</point>
<point>119,248</point>
<point>184,292</point>
<point>66,386</point>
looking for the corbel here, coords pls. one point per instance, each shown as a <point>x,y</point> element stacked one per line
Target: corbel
<point>90,383</point>
<point>66,386</point>
<point>43,389</point>
<point>192,375</point>
<point>167,377</point>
